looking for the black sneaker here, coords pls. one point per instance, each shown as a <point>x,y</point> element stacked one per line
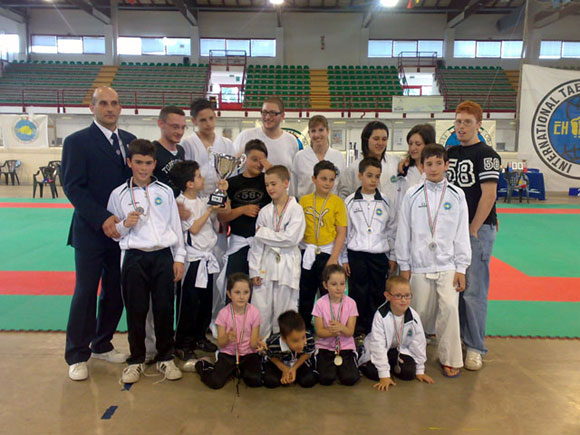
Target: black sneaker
<point>205,345</point>
<point>185,354</point>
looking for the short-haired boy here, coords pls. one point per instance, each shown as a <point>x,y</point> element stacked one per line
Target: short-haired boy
<point>326,223</point>
<point>433,250</point>
<point>396,345</point>
<point>194,298</point>
<point>197,145</point>
<point>247,196</point>
<point>274,256</point>
<point>152,258</point>
<point>370,243</point>
<point>290,354</point>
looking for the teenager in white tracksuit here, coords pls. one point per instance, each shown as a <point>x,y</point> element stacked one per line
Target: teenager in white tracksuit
<point>275,257</point>
<point>433,245</point>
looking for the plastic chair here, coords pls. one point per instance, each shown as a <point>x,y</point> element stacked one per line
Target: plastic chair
<point>9,169</point>
<point>57,166</point>
<point>519,181</point>
<point>47,178</point>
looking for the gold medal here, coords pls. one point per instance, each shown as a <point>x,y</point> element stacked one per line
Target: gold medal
<point>277,258</point>
<point>317,250</point>
<point>337,360</point>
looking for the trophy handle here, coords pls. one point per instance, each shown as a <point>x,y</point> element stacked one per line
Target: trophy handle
<point>242,160</point>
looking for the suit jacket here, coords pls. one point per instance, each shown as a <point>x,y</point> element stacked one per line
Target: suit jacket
<point>91,171</point>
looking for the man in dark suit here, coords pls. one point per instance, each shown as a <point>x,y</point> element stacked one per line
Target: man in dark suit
<point>94,163</point>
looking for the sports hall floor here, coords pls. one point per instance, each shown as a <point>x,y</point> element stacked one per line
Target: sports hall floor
<point>527,386</point>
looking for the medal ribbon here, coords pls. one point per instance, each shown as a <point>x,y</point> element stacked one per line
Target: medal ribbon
<point>433,221</point>
<point>319,219</point>
<point>399,337</point>
<point>369,224</point>
<point>277,220</point>
<point>238,341</point>
<point>337,338</point>
<point>133,202</point>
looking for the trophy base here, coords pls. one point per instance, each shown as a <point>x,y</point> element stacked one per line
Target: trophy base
<point>217,199</point>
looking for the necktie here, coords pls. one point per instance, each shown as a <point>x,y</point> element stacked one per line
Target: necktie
<point>117,147</point>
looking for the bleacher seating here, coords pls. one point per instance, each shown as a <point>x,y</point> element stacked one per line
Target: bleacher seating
<point>41,81</point>
<point>289,82</point>
<point>363,87</point>
<point>159,84</point>
<point>488,86</point>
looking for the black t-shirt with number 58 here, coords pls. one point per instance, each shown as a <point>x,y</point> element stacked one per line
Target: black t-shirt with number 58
<point>469,166</point>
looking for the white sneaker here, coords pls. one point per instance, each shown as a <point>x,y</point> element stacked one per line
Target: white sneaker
<point>78,371</point>
<point>169,370</point>
<point>112,356</point>
<point>189,365</point>
<point>473,360</point>
<point>131,373</point>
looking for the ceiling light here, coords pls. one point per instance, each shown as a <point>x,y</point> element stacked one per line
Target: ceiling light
<point>389,3</point>
<point>276,2</point>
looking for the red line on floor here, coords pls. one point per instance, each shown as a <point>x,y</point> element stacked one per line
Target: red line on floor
<point>37,283</point>
<point>35,205</point>
<point>509,284</point>
<point>538,210</point>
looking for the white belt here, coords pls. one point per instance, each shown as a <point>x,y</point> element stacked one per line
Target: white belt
<point>310,253</point>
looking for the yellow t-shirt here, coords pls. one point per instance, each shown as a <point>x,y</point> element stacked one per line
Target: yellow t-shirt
<point>334,215</point>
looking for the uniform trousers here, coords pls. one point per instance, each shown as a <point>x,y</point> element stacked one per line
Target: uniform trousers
<point>272,299</point>
<point>306,376</point>
<point>149,276</point>
<point>216,375</point>
<point>328,372</point>
<point>407,365</point>
<point>436,299</point>
<point>194,309</point>
<point>366,285</point>
<point>310,284</point>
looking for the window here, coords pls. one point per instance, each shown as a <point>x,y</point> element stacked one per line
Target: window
<point>550,49</point>
<point>488,48</point>
<point>381,48</point>
<point>511,49</point>
<point>93,45</point>
<point>408,47</point>
<point>206,45</point>
<point>9,43</point>
<point>177,46</point>
<point>129,45</point>
<point>43,44</point>
<point>69,45</point>
<point>238,45</point>
<point>152,46</point>
<point>432,46</point>
<point>464,49</point>
<point>571,49</point>
<point>263,48</point>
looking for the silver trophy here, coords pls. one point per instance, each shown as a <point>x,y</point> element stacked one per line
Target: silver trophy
<point>224,165</point>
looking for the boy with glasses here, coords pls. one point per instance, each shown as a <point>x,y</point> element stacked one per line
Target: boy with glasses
<point>474,168</point>
<point>281,145</point>
<point>433,251</point>
<point>396,345</point>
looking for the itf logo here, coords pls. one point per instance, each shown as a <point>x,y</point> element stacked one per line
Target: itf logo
<point>556,129</point>
<point>25,130</point>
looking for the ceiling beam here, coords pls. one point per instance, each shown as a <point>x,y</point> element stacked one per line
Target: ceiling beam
<point>187,11</point>
<point>512,19</point>
<point>90,8</point>
<point>12,15</point>
<point>547,17</point>
<point>470,9</point>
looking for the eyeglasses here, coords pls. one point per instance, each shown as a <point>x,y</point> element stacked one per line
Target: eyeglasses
<point>270,113</point>
<point>401,297</point>
<point>466,122</point>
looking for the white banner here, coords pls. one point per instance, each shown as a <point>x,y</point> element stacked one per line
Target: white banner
<point>24,131</point>
<point>445,133</point>
<point>549,135</point>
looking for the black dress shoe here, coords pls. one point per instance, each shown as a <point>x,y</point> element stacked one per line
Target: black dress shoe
<point>205,345</point>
